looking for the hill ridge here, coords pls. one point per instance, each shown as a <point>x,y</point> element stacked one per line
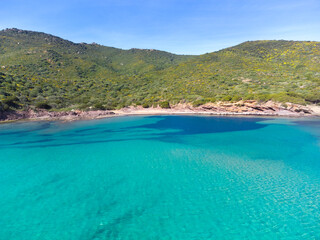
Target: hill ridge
<point>42,70</point>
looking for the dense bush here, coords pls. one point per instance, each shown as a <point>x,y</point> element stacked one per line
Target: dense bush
<point>11,102</point>
<point>313,97</point>
<point>164,104</point>
<point>227,98</point>
<point>146,105</point>
<point>43,105</point>
<point>99,106</point>
<point>4,107</point>
<point>198,103</point>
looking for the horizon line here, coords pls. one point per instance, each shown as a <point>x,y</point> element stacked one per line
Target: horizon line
<point>153,49</point>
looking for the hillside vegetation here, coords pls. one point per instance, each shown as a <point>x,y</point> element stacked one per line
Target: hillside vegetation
<point>44,71</point>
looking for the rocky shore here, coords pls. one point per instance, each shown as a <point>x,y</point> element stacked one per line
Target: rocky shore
<point>40,114</point>
<point>220,108</point>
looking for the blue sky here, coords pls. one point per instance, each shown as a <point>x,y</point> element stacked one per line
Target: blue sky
<point>184,27</point>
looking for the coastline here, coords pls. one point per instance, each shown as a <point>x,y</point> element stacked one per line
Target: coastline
<point>240,109</point>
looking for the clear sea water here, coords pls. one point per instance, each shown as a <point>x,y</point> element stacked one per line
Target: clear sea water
<point>160,177</point>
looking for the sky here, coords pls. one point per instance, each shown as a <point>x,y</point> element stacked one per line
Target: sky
<point>177,26</point>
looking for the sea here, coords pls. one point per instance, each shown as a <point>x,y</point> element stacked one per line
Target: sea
<point>161,178</point>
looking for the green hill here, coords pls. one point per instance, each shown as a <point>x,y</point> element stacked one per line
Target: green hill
<point>285,71</point>
<point>38,69</point>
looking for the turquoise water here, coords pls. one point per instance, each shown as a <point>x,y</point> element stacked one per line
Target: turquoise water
<point>160,177</point>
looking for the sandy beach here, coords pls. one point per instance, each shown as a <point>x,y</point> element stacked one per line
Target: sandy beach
<point>242,108</point>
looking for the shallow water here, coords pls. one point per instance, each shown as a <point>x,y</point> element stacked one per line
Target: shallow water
<point>160,177</point>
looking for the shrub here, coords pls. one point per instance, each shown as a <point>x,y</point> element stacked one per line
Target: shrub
<point>236,98</point>
<point>83,107</point>
<point>43,105</point>
<point>4,107</point>
<point>284,97</point>
<point>212,99</point>
<point>11,101</point>
<point>99,106</point>
<point>248,97</point>
<point>262,97</point>
<point>226,98</point>
<point>145,105</point>
<point>164,104</point>
<point>313,98</point>
<point>198,103</point>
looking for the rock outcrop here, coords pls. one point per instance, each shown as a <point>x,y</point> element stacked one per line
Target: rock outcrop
<point>48,115</point>
<point>256,108</point>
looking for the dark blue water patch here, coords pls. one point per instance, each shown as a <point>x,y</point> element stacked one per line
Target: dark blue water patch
<point>311,125</point>
<point>15,129</point>
<point>311,122</point>
<point>70,144</point>
<point>189,125</point>
<point>87,133</point>
<point>27,142</point>
<point>177,126</point>
<point>85,130</point>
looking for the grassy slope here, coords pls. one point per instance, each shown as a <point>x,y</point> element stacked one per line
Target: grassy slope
<point>47,71</point>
